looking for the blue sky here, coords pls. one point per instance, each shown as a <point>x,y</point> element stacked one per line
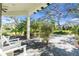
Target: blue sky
<point>62,7</point>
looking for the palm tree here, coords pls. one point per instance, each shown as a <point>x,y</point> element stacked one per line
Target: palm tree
<point>52,23</point>
<point>20,28</point>
<point>34,28</point>
<point>75,30</point>
<point>42,29</point>
<point>46,30</point>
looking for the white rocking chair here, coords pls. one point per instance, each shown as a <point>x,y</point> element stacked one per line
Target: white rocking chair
<point>9,51</point>
<point>10,42</point>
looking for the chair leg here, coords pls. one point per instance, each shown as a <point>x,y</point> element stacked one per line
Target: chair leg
<point>24,51</point>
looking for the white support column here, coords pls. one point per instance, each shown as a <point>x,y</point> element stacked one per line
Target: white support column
<point>0,19</point>
<point>28,27</point>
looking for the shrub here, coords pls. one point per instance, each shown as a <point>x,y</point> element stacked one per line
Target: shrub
<point>61,32</point>
<point>5,34</point>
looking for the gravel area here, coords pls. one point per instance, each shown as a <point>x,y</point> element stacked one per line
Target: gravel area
<point>62,45</point>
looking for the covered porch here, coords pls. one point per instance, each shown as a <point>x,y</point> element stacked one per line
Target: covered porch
<point>53,43</point>
<point>21,9</point>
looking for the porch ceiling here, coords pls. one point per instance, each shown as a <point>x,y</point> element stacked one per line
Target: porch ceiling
<point>17,9</point>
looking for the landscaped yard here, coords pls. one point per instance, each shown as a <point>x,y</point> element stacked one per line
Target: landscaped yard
<point>51,31</point>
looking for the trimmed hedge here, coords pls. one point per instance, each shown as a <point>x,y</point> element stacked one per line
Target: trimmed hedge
<point>61,32</point>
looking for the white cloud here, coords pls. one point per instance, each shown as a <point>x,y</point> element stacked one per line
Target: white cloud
<point>75,19</point>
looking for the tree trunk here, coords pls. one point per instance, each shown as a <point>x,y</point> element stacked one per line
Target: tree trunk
<point>59,26</point>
